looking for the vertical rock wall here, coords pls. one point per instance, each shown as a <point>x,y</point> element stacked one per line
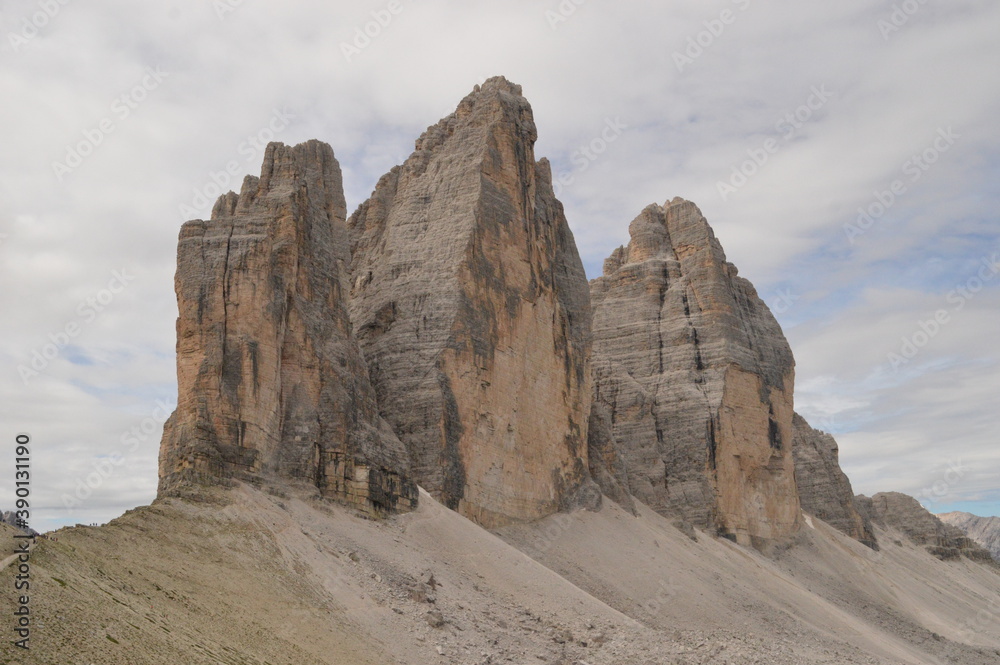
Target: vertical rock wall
<point>698,380</point>
<point>270,378</point>
<point>472,308</point>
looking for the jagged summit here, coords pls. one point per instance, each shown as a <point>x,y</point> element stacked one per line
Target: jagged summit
<point>444,334</point>
<point>650,236</point>
<point>500,83</point>
<point>471,305</point>
<point>497,102</point>
<point>698,378</point>
<point>270,379</point>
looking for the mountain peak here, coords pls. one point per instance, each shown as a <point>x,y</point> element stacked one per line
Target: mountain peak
<point>499,84</point>
<point>495,104</point>
<point>472,307</point>
<point>271,382</point>
<point>716,447</point>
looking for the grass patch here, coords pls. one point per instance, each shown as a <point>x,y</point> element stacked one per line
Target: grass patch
<point>111,639</point>
<point>61,583</point>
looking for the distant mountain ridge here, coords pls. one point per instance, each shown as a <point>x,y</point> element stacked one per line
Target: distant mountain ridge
<point>894,510</point>
<point>983,530</point>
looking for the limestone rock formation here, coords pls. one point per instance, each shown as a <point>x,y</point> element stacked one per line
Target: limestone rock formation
<point>985,531</point>
<point>697,377</point>
<point>607,466</point>
<point>471,305</point>
<point>270,378</point>
<point>902,512</point>
<point>824,489</point>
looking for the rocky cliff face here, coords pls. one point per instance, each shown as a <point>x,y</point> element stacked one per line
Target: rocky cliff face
<point>697,378</point>
<point>471,305</point>
<point>270,378</point>
<point>443,335</point>
<point>607,464</point>
<point>824,489</point>
<point>902,512</point>
<point>984,531</point>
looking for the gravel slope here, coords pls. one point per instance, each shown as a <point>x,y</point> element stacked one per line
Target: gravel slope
<point>247,576</point>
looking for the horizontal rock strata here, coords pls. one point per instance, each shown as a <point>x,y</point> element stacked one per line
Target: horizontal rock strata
<point>985,531</point>
<point>697,378</point>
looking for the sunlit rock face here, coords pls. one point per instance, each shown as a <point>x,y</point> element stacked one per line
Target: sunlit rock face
<point>271,381</point>
<point>472,308</point>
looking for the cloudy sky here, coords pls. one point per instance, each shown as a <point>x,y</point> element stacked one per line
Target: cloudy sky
<point>847,155</point>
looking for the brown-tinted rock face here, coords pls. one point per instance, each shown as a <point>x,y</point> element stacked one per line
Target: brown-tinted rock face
<point>270,379</point>
<point>697,377</point>
<point>904,513</point>
<point>471,306</point>
<point>824,489</point>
